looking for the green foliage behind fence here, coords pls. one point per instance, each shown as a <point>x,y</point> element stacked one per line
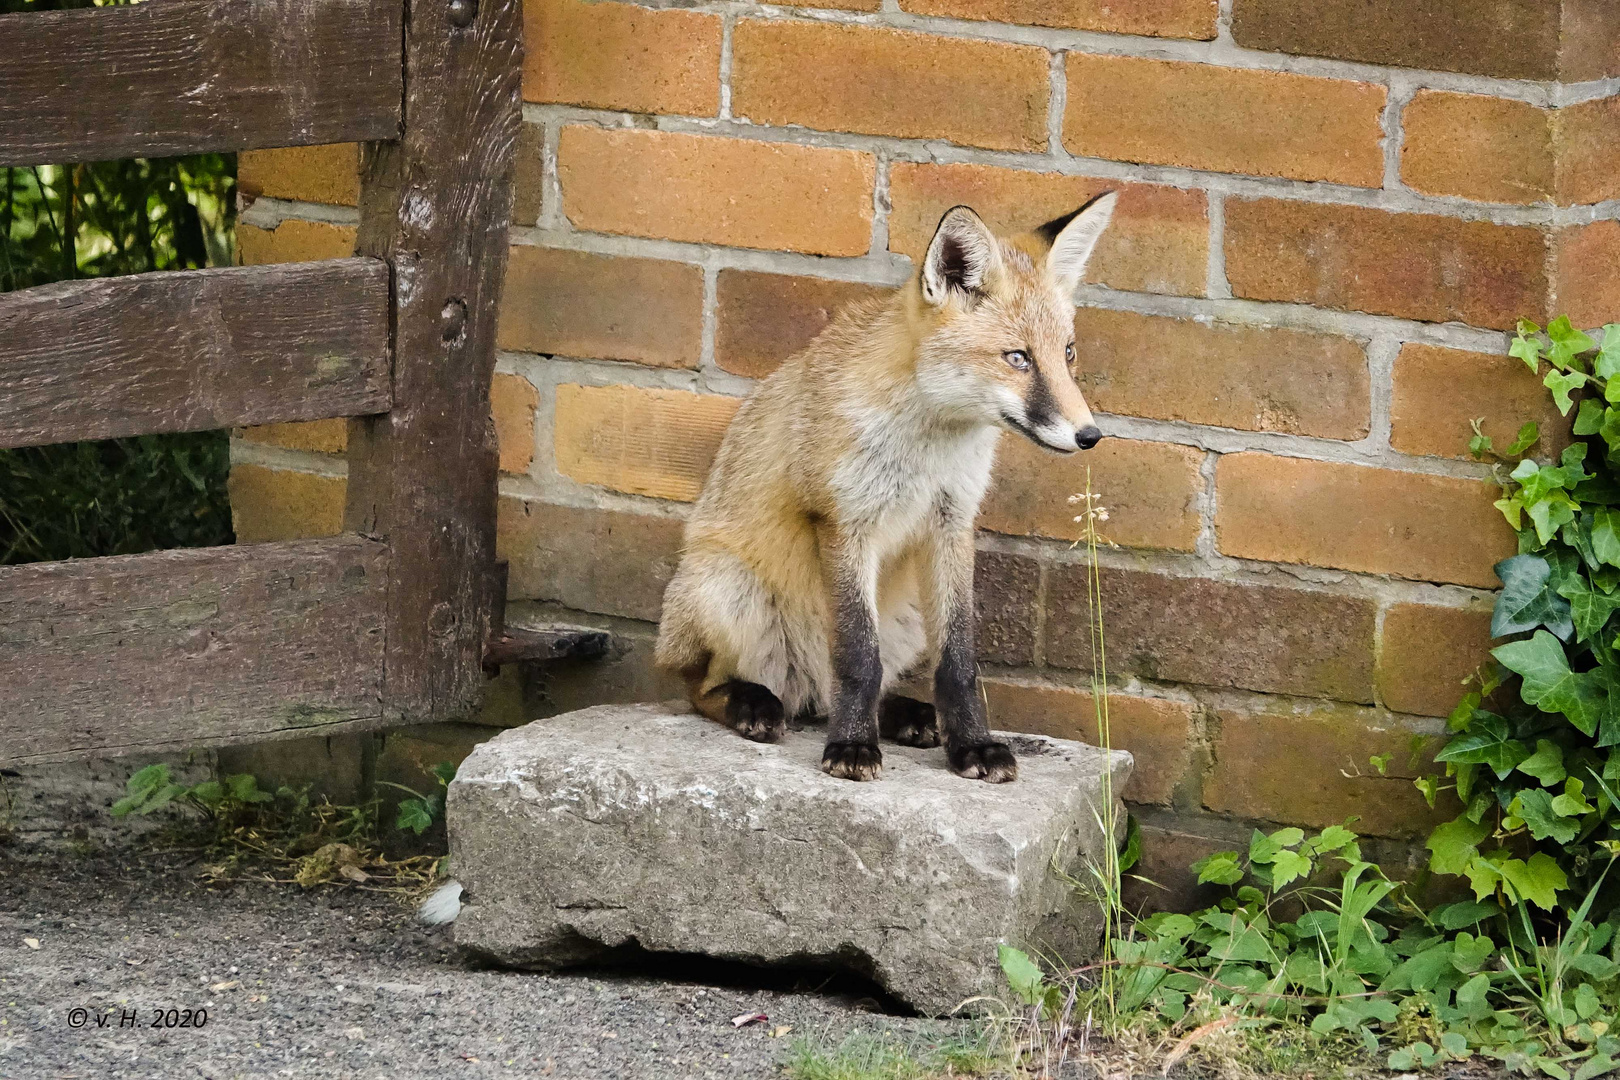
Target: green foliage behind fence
<point>104,219</point>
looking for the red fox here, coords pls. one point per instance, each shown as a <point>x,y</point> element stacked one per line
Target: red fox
<point>831,551</point>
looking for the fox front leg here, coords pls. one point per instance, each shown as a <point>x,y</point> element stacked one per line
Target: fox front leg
<point>969,747</point>
<point>852,728</point>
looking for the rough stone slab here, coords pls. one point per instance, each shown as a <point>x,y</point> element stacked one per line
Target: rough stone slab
<point>647,825</point>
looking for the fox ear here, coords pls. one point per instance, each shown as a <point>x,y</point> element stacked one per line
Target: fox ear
<point>963,255</point>
<point>1073,238</point>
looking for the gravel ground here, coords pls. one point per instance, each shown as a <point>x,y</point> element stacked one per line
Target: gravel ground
<point>336,982</point>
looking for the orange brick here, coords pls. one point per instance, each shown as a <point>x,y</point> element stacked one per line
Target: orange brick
<point>1416,266</point>
<point>1273,638</point>
<point>280,504</point>
<point>528,175</point>
<point>592,560</point>
<point>293,241</point>
<point>1153,18</point>
<point>1588,33</point>
<point>1568,40</point>
<point>1355,517</point>
<point>1246,377</point>
<point>1586,135</point>
<point>1476,147</point>
<point>1587,274</point>
<point>572,303</point>
<point>1236,120</point>
<point>1427,653</point>
<point>318,174</point>
<point>762,319</point>
<point>1157,242</point>
<point>512,402</point>
<point>644,442</point>
<point>621,56</point>
<point>711,190</point>
<point>890,82</point>
<point>1150,490</point>
<point>1157,732</point>
<point>1307,764</point>
<point>1439,392</point>
<point>318,436</point>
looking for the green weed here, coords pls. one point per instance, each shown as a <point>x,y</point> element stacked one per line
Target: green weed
<point>887,1056</point>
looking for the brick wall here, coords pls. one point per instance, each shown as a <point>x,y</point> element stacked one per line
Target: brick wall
<point>1326,224</point>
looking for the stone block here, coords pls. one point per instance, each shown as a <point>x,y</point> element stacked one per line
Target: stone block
<point>646,825</point>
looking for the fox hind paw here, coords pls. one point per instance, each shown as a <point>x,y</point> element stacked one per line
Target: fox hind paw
<point>909,722</point>
<point>755,713</point>
<point>852,761</point>
<point>991,762</point>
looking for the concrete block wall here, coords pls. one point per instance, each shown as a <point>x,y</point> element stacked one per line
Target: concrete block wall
<point>1327,224</point>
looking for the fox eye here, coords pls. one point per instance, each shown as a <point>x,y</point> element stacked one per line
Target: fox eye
<point>1018,358</point>
<point>1068,352</point>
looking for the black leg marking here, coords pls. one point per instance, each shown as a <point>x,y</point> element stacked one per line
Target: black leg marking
<point>852,730</point>
<point>754,712</point>
<point>908,721</point>
<point>969,748</point>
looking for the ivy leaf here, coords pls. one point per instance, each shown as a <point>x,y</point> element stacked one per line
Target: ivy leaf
<point>1550,685</point>
<point>1551,514</point>
<point>1486,742</point>
<point>1528,435</point>
<point>1606,535</point>
<point>1607,365</point>
<point>1546,764</point>
<point>1528,599</point>
<point>1566,342</point>
<point>1537,881</point>
<point>1454,845</point>
<point>1562,384</point>
<point>1589,608</point>
<point>1590,417</point>
<point>1511,508</point>
<point>413,815</point>
<point>1572,803</point>
<point>1534,807</point>
<point>1526,347</point>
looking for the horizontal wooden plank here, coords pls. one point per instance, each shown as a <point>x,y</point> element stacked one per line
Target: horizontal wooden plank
<point>529,644</point>
<point>183,76</point>
<point>193,351</point>
<point>183,649</point>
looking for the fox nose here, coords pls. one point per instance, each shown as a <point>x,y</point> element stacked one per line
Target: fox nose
<point>1087,437</point>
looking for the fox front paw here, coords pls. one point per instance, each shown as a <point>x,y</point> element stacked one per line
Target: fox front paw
<point>991,762</point>
<point>755,713</point>
<point>909,722</point>
<point>852,761</point>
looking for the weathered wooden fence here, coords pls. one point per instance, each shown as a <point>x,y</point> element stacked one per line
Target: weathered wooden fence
<point>390,621</point>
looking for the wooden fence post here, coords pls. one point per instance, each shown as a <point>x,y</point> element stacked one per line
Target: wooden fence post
<point>437,204</point>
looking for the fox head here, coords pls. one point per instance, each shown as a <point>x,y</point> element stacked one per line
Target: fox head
<point>996,341</point>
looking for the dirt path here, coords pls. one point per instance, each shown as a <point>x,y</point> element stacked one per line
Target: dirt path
<point>335,983</point>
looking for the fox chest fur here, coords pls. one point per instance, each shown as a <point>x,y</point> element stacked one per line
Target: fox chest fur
<point>831,551</point>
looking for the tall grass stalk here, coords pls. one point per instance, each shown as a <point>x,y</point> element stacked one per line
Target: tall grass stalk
<point>1107,873</point>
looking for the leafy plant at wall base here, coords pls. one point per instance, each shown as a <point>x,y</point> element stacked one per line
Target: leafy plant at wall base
<point>418,813</point>
<point>1531,754</point>
<point>153,788</point>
